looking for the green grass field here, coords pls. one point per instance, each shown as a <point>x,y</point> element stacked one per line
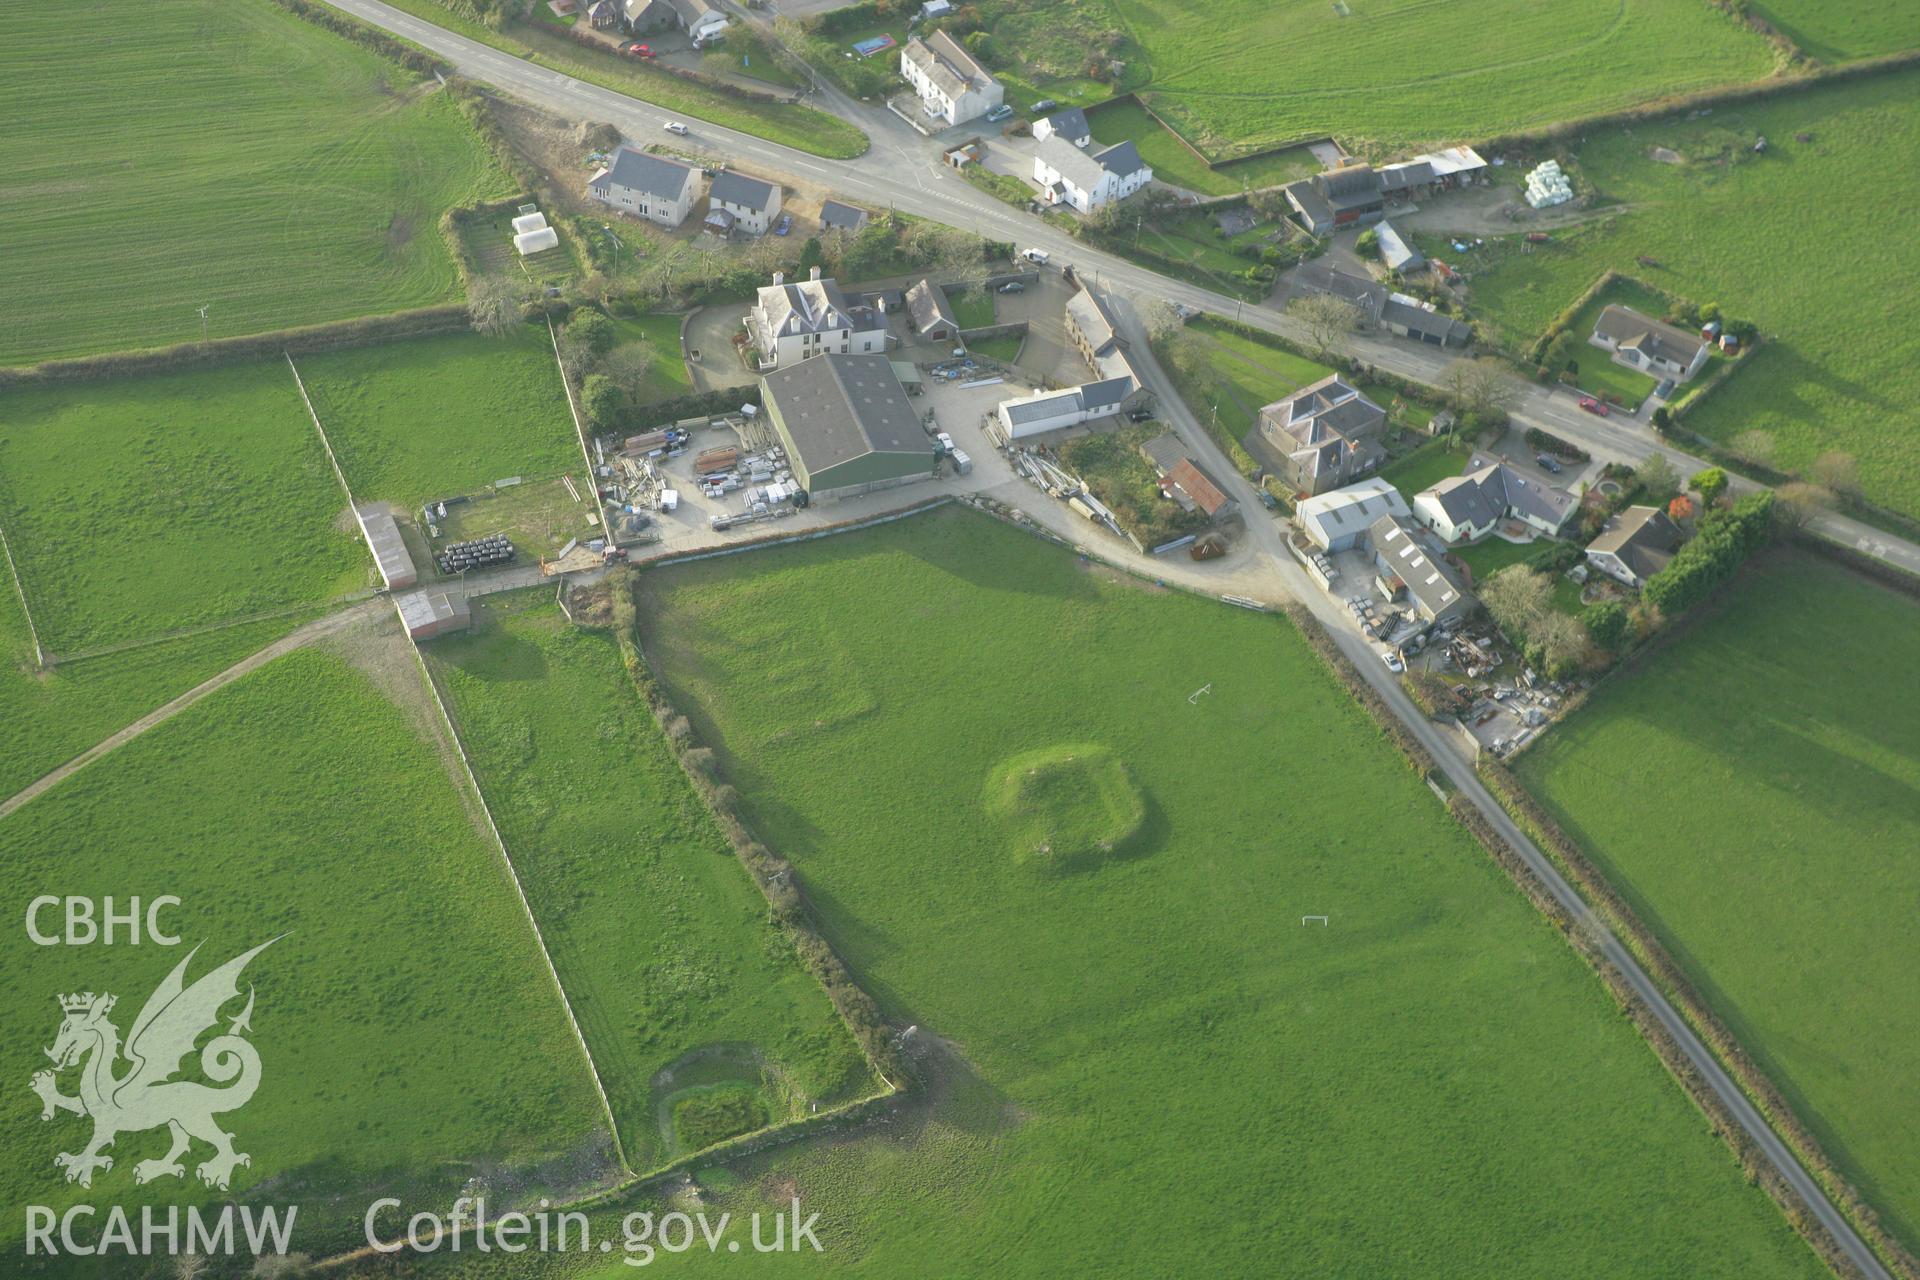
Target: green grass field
<point>1839,33</point>
<point>659,935</point>
<point>661,333</point>
<point>1751,789</point>
<point>804,128</point>
<point>409,1034</point>
<point>435,417</point>
<point>143,506</point>
<point>1599,374</point>
<point>270,171</point>
<point>1246,374</point>
<point>1151,1066</point>
<point>1765,237</point>
<point>1243,75</point>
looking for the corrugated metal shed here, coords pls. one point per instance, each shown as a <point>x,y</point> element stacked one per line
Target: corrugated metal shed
<point>426,614</point>
<point>389,549</point>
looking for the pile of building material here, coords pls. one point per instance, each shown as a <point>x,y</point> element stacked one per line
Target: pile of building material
<point>1547,186</point>
<point>531,234</point>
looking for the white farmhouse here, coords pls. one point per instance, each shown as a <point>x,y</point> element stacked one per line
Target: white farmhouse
<point>791,322</point>
<point>1087,180</point>
<point>649,186</point>
<point>953,88</point>
<point>1070,124</point>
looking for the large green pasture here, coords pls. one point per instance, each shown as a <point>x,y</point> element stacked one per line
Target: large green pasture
<point>660,937</point>
<point>147,505</point>
<point>1754,789</point>
<point>409,1035</point>
<point>1841,32</point>
<point>1240,76</point>
<point>1173,162</point>
<point>436,417</point>
<point>225,155</point>
<point>1143,1063</point>
<point>1771,238</point>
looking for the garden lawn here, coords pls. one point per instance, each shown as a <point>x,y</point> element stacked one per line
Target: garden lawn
<point>1003,347</point>
<point>1491,556</point>
<point>146,505</point>
<point>409,1035</point>
<point>436,417</point>
<point>1839,33</point>
<point>661,333</point>
<point>1599,373</point>
<point>1239,76</point>
<point>1421,1086</point>
<point>271,171</point>
<point>972,307</point>
<point>1754,790</point>
<point>1175,163</point>
<point>803,128</point>
<point>661,938</point>
<point>1766,238</point>
<point>1427,465</point>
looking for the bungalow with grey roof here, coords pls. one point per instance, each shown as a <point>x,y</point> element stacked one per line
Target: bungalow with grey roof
<point>835,216</point>
<point>752,204</point>
<point>1651,346</point>
<point>648,186</point>
<point>1635,545</point>
<point>1465,508</point>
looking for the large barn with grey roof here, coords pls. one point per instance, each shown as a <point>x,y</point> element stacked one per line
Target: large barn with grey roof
<point>847,425</point>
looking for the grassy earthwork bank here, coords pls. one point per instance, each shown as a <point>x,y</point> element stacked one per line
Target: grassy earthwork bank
<point>409,1035</point>
<point>1841,33</point>
<point>803,128</point>
<point>1751,790</point>
<point>1243,75</point>
<point>1174,162</point>
<point>147,505</point>
<point>435,417</point>
<point>1769,238</point>
<point>678,980</point>
<point>225,155</point>
<point>1094,912</point>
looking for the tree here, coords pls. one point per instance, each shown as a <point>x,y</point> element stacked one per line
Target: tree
<point>1558,357</point>
<point>495,304</point>
<point>1562,639</point>
<point>1662,420</point>
<point>1159,317</point>
<point>630,366</point>
<point>600,399</point>
<point>1481,387</point>
<point>1754,446</point>
<point>1709,484</point>
<point>1518,598</point>
<point>1327,318</point>
<point>1607,624</point>
<point>1838,472</point>
<point>812,255</point>
<point>1657,476</point>
<point>1797,504</point>
<point>1681,508</point>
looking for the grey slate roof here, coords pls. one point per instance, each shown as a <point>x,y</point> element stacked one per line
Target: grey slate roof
<point>1628,328</point>
<point>1307,198</point>
<point>1419,320</point>
<point>1070,122</point>
<point>1108,393</point>
<point>1163,451</point>
<point>840,407</point>
<point>1491,489</point>
<point>1035,408</point>
<point>951,68</point>
<point>1327,428</point>
<point>740,191</point>
<point>1354,186</point>
<point>1642,538</point>
<point>842,217</point>
<point>1432,586</point>
<point>927,303</point>
<point>810,306</point>
<point>1084,169</point>
<point>1394,249</point>
<point>1399,177</point>
<point>1362,291</point>
<point>643,171</point>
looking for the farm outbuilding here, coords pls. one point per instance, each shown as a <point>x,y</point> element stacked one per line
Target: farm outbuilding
<point>389,549</point>
<point>426,614</point>
<point>847,425</point>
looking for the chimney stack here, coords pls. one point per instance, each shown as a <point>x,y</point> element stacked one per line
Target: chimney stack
<point>779,278</point>
<point>814,274</point>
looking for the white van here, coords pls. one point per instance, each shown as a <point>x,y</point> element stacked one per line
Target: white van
<point>1036,256</point>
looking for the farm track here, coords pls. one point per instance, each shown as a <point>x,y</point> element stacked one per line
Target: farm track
<point>318,629</point>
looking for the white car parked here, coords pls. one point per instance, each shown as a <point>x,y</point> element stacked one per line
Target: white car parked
<point>1392,658</point>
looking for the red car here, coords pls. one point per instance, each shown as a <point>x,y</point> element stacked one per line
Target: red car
<point>640,50</point>
<point>1593,406</point>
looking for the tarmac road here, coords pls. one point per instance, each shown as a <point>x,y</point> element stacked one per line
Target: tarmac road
<point>901,170</point>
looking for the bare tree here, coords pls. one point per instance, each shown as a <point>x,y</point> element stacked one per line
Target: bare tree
<point>1328,319</point>
<point>495,303</point>
<point>1837,471</point>
<point>1518,598</point>
<point>630,365</point>
<point>1481,387</point>
<point>1159,318</point>
<point>1795,505</point>
<point>279,1266</point>
<point>190,1266</point>
<point>1562,636</point>
<point>1753,446</point>
<point>1657,476</point>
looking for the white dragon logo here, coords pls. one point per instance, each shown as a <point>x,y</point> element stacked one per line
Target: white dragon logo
<point>147,1096</point>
